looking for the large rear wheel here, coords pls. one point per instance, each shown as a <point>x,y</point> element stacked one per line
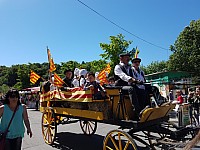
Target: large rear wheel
<point>49,125</point>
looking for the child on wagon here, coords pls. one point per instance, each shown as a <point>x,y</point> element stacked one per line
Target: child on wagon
<point>98,91</point>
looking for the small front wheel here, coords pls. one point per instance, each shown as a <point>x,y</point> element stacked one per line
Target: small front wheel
<point>88,127</point>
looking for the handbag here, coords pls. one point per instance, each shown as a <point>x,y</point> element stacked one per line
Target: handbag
<point>3,134</point>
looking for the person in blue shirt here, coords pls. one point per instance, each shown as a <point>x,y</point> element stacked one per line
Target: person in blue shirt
<point>16,129</point>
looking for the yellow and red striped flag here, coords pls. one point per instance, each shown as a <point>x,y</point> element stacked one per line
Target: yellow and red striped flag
<point>108,68</point>
<point>34,77</point>
<point>102,77</point>
<point>52,65</point>
<point>57,80</point>
<point>136,53</point>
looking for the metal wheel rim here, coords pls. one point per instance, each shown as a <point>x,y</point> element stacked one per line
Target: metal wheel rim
<point>49,126</point>
<point>88,127</point>
<point>119,140</point>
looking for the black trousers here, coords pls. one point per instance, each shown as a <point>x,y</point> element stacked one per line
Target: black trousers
<point>130,90</point>
<point>139,97</point>
<point>13,144</point>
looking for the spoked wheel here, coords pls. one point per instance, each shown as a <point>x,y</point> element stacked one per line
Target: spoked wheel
<point>88,127</point>
<point>119,140</point>
<point>153,139</point>
<point>49,126</point>
<point>194,122</point>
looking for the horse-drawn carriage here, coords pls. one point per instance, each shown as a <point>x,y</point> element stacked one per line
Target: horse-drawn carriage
<point>64,107</point>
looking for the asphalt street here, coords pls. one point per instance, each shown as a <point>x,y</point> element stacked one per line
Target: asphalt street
<point>69,136</point>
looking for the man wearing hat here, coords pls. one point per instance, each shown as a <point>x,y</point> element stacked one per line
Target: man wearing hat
<point>124,77</point>
<point>138,75</point>
<point>67,79</point>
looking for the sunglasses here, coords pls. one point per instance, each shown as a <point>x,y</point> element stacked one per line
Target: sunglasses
<point>13,96</point>
<point>136,62</point>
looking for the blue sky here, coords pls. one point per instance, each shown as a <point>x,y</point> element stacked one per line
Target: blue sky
<point>73,32</point>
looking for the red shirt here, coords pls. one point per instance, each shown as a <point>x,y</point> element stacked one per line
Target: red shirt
<point>180,99</point>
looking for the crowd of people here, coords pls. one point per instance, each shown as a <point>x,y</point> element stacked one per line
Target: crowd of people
<point>194,100</point>
<point>129,77</point>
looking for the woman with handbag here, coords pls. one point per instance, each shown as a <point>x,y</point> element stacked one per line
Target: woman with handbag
<point>13,116</point>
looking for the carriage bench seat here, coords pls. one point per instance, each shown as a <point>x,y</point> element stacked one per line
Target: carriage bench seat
<point>157,112</point>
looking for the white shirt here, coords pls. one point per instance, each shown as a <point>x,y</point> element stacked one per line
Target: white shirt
<point>75,82</point>
<point>122,75</point>
<point>82,82</point>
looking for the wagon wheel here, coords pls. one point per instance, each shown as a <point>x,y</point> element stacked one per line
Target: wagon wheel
<point>119,140</point>
<point>49,125</point>
<point>153,137</point>
<point>88,127</point>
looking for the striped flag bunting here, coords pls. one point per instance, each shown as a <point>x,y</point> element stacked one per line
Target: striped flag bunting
<point>75,89</point>
<point>75,96</point>
<point>34,77</point>
<point>58,81</point>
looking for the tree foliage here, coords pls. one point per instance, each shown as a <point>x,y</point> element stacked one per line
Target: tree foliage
<point>155,66</point>
<point>116,46</point>
<point>18,76</point>
<point>186,56</point>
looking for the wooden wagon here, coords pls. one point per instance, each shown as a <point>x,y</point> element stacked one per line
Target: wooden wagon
<point>64,107</point>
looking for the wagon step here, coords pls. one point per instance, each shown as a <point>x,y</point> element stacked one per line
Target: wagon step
<point>171,143</point>
<point>68,121</point>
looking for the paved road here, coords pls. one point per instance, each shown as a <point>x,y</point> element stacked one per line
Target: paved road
<point>69,137</point>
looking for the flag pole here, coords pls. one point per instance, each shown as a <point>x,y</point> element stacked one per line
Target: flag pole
<point>49,59</point>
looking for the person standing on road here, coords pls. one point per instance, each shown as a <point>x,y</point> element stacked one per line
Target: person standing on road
<point>180,99</point>
<point>16,129</point>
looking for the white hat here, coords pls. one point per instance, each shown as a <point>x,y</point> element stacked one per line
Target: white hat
<point>96,74</point>
<point>76,71</point>
<point>82,72</point>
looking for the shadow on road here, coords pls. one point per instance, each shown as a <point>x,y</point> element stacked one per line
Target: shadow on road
<point>73,141</point>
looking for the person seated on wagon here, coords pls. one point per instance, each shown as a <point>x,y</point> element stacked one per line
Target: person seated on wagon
<point>142,90</point>
<point>75,80</point>
<point>111,81</point>
<point>82,76</point>
<point>67,79</point>
<point>98,90</point>
<point>124,77</point>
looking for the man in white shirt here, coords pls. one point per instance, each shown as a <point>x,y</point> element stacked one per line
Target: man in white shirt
<point>124,77</point>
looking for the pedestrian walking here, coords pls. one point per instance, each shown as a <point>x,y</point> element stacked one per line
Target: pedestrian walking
<point>15,114</point>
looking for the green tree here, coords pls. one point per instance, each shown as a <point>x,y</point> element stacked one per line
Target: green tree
<point>3,89</point>
<point>23,80</point>
<point>97,65</point>
<point>186,56</point>
<point>155,66</point>
<point>111,51</point>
